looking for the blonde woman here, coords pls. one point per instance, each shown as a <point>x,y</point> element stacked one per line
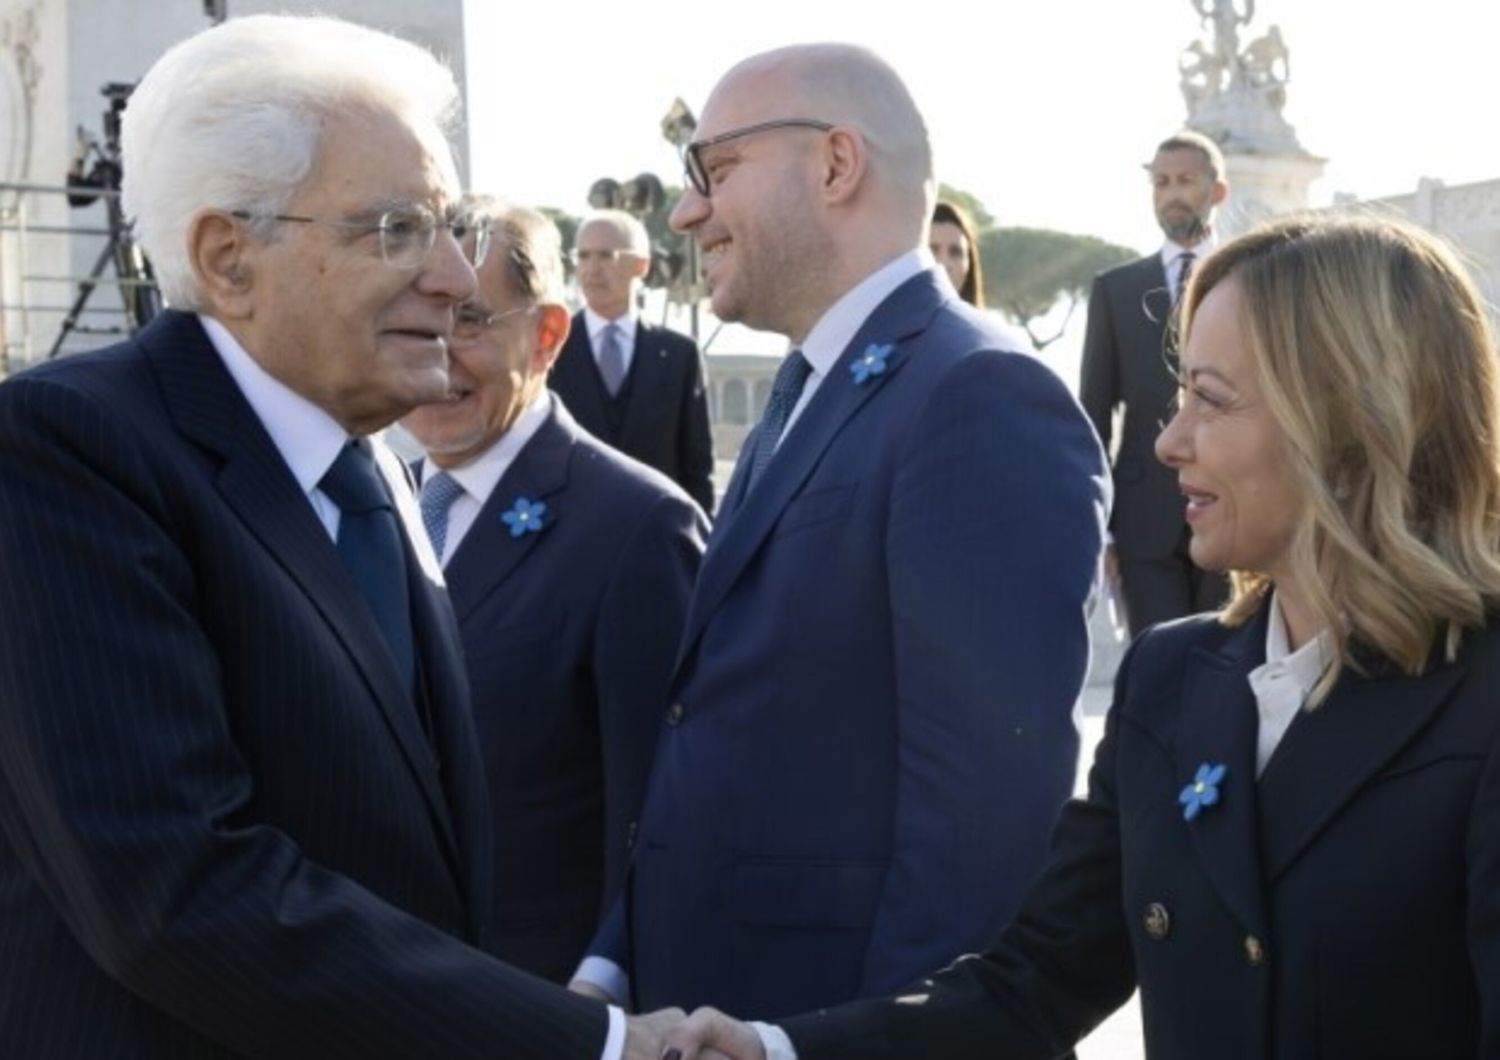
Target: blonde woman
<point>1291,841</point>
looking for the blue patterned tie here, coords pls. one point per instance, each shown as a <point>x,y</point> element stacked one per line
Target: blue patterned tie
<point>612,360</point>
<point>439,491</point>
<point>369,543</point>
<point>791,377</point>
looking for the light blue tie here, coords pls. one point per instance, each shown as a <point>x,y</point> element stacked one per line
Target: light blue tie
<point>438,494</point>
<point>612,360</point>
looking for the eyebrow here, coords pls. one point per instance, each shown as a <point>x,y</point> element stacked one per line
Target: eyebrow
<point>1192,375</point>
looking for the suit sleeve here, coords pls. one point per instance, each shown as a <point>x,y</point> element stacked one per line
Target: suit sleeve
<point>1484,902</point>
<point>1059,970</point>
<point>695,443</point>
<point>124,797</point>
<point>1099,384</point>
<point>994,534</point>
<point>636,636</point>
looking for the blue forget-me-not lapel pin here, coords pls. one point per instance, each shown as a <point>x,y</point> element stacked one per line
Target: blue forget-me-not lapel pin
<point>871,362</point>
<point>1203,791</point>
<point>526,516</point>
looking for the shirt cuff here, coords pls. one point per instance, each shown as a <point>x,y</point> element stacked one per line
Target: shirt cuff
<point>614,1043</point>
<point>606,975</point>
<point>774,1041</point>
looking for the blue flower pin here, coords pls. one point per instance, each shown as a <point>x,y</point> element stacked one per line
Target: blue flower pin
<point>526,517</point>
<point>871,362</point>
<point>1203,791</point>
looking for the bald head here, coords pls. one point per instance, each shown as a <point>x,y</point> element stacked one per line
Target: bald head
<point>850,86</point>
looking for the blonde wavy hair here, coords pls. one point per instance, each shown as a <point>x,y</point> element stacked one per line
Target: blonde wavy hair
<point>1377,361</point>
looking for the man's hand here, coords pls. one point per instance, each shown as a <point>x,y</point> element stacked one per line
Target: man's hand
<point>588,989</point>
<point>644,1035</point>
<point>708,1034</point>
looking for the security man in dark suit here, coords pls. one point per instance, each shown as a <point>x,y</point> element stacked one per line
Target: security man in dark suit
<point>1126,365</point>
<point>570,566</point>
<point>241,809</point>
<point>634,385</point>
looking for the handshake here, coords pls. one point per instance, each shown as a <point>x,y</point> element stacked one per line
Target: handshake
<point>707,1034</point>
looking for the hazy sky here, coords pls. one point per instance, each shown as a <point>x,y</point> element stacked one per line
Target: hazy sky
<point>1044,109</point>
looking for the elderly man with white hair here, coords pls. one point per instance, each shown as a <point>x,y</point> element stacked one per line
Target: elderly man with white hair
<point>241,808</point>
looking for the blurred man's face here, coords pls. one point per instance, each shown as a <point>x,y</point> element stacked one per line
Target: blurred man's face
<point>364,339</point>
<point>498,365</point>
<point>1184,193</point>
<point>608,269</point>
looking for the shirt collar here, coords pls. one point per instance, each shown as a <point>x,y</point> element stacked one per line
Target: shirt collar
<point>1171,251</point>
<point>1305,665</point>
<point>837,326</point>
<point>305,435</point>
<point>483,473</point>
<point>596,324</point>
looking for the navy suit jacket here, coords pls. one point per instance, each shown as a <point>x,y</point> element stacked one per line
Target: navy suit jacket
<point>1364,865</point>
<point>872,726</point>
<point>223,830</point>
<point>1125,362</point>
<point>569,635</point>
<point>665,425</point>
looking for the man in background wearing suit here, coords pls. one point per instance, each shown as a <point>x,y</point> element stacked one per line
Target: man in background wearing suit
<point>1127,364</point>
<point>570,566</point>
<point>871,723</point>
<point>636,386</point>
<point>241,809</point>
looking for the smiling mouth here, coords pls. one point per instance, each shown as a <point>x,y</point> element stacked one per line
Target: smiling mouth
<point>1197,500</point>
<point>714,249</point>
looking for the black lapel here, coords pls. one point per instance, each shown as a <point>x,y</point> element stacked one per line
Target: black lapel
<point>577,376</point>
<point>1218,726</point>
<point>650,370</point>
<point>488,552</point>
<point>1329,753</point>
<point>207,407</point>
<point>906,312</point>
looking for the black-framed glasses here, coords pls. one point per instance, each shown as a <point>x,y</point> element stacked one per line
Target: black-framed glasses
<point>692,154</point>
<point>407,233</point>
<point>470,321</point>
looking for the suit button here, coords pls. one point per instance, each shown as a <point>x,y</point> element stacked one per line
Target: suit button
<point>1255,953</point>
<point>674,714</point>
<point>1158,921</point>
<point>630,830</point>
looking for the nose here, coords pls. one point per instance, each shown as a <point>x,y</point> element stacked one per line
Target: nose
<point>447,273</point>
<point>691,210</point>
<point>1174,445</point>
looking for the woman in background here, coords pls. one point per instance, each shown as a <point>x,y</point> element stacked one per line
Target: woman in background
<point>955,244</point>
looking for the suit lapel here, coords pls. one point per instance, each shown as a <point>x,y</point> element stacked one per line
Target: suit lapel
<point>254,481</point>
<point>1218,726</point>
<point>648,371</point>
<point>578,375</point>
<point>1329,753</point>
<point>736,540</point>
<point>488,552</point>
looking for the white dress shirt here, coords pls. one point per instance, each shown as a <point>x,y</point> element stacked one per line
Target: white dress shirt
<point>481,475</point>
<point>306,436</point>
<point>1281,685</point>
<point>594,324</point>
<point>1172,263</point>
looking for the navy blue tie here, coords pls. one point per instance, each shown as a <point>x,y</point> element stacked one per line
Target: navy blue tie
<point>791,377</point>
<point>369,543</point>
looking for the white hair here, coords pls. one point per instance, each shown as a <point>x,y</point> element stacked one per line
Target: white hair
<point>628,226</point>
<point>531,246</point>
<point>231,119</point>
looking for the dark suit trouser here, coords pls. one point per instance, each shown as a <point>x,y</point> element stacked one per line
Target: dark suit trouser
<point>1161,589</point>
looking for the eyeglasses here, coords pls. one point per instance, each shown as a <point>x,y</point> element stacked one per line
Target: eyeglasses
<point>407,233</point>
<point>692,154</point>
<point>470,321</point>
<point>583,257</point>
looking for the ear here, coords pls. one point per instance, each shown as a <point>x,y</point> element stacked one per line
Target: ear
<point>639,266</point>
<point>1220,192</point>
<point>845,159</point>
<point>552,326</point>
<point>218,251</point>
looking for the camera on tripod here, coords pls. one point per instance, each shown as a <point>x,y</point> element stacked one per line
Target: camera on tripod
<point>88,183</point>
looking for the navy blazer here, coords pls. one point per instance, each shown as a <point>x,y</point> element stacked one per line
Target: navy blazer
<point>665,424</point>
<point>872,726</point>
<point>223,829</point>
<point>569,635</point>
<point>1125,362</point>
<point>1346,905</point>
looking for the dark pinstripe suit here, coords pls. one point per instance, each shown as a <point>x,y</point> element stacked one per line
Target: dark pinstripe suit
<point>222,829</point>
